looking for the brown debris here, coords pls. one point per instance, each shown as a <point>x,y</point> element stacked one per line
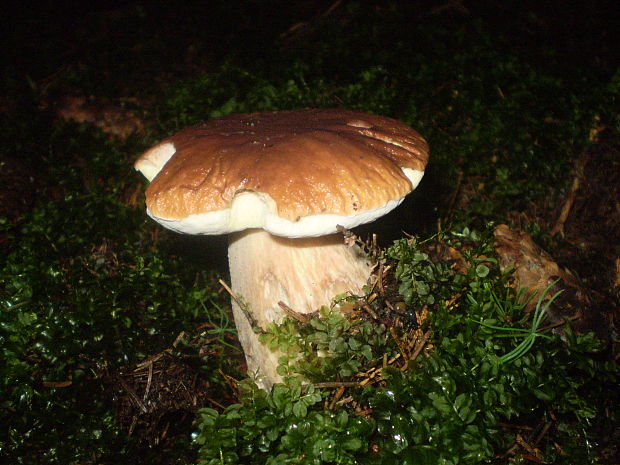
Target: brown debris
<point>57,384</point>
<point>384,304</point>
<point>111,118</point>
<point>156,394</point>
<point>527,439</point>
<point>441,251</point>
<point>535,270</point>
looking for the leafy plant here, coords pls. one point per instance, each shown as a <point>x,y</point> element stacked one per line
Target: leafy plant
<point>80,298</point>
<point>284,426</point>
<point>452,405</point>
<point>328,348</point>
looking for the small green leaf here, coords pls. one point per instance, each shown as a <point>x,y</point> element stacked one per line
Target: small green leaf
<point>440,402</point>
<point>422,288</point>
<point>299,409</point>
<point>352,444</point>
<point>342,419</point>
<point>482,271</point>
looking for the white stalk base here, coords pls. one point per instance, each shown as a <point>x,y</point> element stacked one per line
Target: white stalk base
<point>305,274</point>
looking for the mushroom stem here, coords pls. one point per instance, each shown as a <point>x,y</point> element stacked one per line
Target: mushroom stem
<point>302,273</point>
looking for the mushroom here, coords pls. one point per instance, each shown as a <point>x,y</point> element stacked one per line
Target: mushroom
<point>280,184</point>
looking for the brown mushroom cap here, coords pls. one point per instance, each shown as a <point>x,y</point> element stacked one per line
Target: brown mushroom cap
<point>294,173</point>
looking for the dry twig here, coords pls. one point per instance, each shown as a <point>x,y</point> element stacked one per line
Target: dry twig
<point>572,194</point>
<point>421,345</point>
<point>303,319</point>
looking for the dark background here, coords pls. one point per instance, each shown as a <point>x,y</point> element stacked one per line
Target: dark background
<point>41,35</point>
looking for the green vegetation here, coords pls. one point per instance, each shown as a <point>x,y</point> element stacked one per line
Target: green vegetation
<point>83,292</point>
<point>455,404</point>
<point>451,372</point>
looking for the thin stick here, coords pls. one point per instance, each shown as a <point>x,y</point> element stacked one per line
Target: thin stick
<point>398,343</point>
<point>336,384</point>
<point>132,394</point>
<point>148,383</point>
<point>150,360</point>
<point>178,339</point>
<point>370,311</point>
<point>232,382</point>
<point>523,443</point>
<point>542,433</point>
<point>572,193</point>
<point>242,306</point>
<point>231,292</point>
<point>337,395</point>
<point>560,323</point>
<point>521,427</point>
<point>57,384</point>
<point>216,403</point>
<point>303,319</point>
<point>421,345</point>
<point>380,276</point>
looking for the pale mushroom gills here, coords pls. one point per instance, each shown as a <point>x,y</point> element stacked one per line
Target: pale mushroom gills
<point>280,183</point>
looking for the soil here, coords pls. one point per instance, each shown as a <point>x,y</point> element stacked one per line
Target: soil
<point>589,243</point>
